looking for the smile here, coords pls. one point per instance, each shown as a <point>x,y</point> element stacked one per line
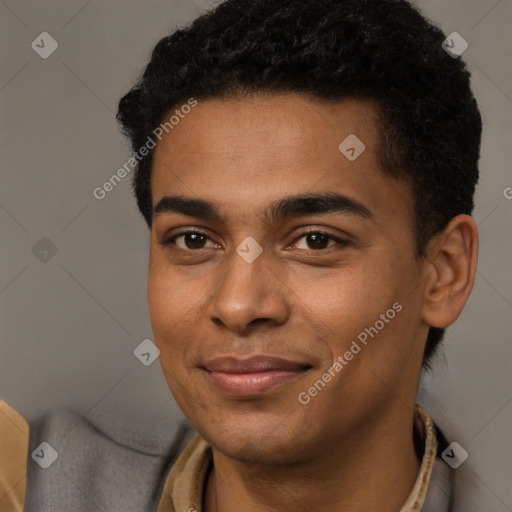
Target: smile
<point>254,376</point>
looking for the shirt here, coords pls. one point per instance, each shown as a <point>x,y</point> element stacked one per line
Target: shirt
<point>182,484</point>
<point>14,432</point>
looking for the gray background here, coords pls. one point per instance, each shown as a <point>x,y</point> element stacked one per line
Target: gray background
<point>69,325</point>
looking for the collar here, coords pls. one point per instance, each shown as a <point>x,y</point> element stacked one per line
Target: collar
<point>184,485</point>
<point>425,430</point>
<point>13,467</point>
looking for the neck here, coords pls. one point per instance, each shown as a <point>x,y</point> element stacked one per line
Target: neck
<point>374,470</point>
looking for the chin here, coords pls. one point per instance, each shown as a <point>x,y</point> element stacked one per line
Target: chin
<point>255,439</point>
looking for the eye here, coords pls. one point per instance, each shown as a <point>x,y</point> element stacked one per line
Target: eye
<point>189,240</point>
<point>317,240</point>
<point>312,240</point>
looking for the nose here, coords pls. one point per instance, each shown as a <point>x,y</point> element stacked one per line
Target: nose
<point>249,294</point>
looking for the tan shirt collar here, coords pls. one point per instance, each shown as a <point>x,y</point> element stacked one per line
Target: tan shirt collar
<point>183,489</point>
<point>13,458</point>
<point>424,426</point>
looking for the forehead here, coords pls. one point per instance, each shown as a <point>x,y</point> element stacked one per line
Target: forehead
<point>248,152</point>
<point>295,124</point>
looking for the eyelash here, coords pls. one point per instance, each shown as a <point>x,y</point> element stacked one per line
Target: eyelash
<point>167,242</point>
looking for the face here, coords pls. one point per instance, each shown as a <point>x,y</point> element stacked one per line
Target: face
<point>284,291</point>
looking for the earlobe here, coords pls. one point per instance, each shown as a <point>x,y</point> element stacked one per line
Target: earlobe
<point>451,265</point>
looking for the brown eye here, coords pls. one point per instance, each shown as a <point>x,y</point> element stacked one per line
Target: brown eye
<point>316,241</point>
<point>189,240</point>
<point>194,241</point>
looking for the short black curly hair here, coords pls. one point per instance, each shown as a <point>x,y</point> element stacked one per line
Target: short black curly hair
<point>381,50</point>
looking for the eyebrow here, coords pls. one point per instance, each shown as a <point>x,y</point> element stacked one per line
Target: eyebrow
<point>292,206</point>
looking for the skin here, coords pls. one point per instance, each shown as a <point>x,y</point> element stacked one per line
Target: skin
<point>350,448</point>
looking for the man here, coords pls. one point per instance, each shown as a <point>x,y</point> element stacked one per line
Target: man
<point>307,171</point>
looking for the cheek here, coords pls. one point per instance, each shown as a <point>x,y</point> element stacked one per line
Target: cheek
<point>175,305</point>
<point>167,300</point>
<point>349,298</point>
<point>169,294</point>
<point>160,296</point>
<point>350,302</point>
<point>167,311</point>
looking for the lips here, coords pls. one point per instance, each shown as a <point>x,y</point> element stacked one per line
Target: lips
<point>252,376</point>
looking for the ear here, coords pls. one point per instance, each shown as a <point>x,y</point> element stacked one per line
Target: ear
<point>451,268</point>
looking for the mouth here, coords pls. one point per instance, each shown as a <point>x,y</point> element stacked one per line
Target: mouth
<point>254,376</point>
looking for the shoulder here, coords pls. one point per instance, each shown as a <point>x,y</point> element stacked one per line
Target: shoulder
<point>110,460</point>
<point>14,435</point>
